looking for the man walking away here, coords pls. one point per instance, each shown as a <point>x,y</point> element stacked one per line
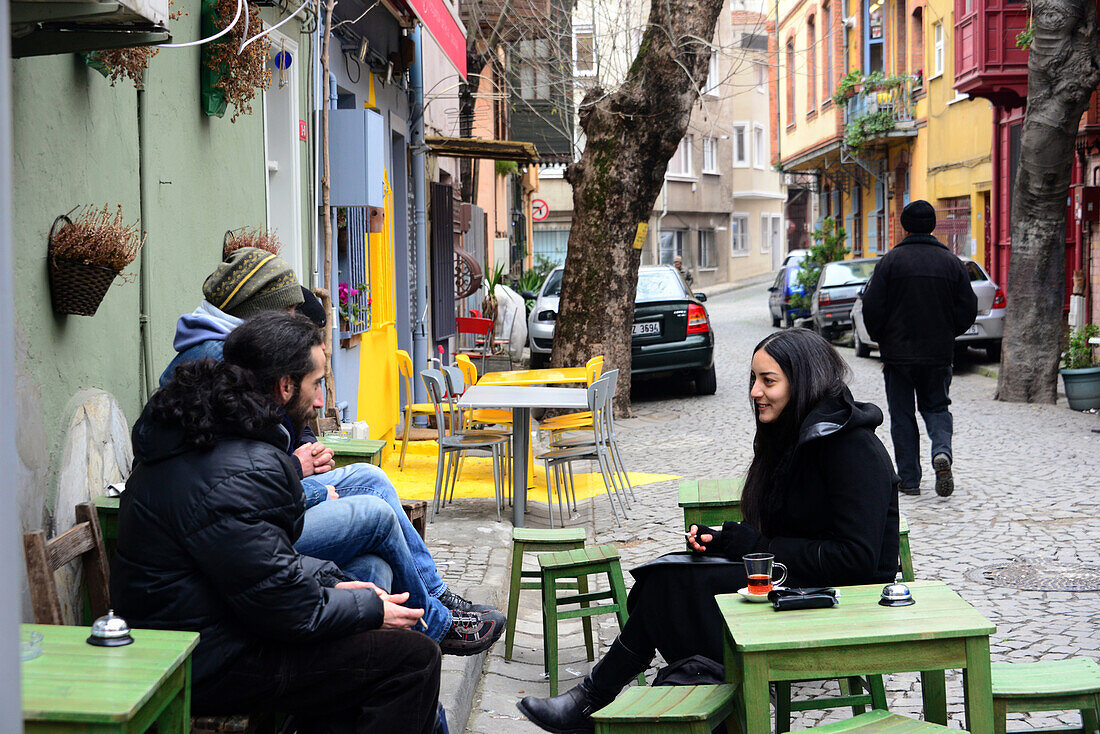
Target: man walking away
<point>206,532</point>
<point>919,299</point>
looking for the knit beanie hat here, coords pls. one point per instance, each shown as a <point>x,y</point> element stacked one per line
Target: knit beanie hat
<point>918,217</point>
<point>251,280</point>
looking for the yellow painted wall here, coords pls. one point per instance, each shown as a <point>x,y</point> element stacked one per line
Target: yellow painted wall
<point>810,127</point>
<point>378,376</point>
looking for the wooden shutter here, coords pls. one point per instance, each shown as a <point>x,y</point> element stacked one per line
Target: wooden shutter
<point>442,262</point>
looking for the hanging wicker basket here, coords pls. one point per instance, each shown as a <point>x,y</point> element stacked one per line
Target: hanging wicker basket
<point>76,288</point>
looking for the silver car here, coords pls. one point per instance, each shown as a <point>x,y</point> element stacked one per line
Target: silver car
<point>986,331</point>
<point>540,324</point>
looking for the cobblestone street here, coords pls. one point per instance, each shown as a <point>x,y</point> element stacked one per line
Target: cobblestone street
<point>1027,489</point>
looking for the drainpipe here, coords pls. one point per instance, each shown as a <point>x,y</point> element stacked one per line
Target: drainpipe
<point>144,195</point>
<point>420,214</point>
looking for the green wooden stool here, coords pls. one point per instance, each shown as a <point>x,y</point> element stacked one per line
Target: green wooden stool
<point>851,694</point>
<point>578,564</point>
<point>667,709</point>
<point>905,555</point>
<point>535,540</point>
<point>884,722</point>
<point>711,501</point>
<point>1051,685</point>
<point>352,450</point>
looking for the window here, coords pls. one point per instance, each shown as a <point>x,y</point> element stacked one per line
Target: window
<point>740,145</point>
<point>710,86</point>
<point>790,82</point>
<point>777,231</point>
<point>671,245</point>
<point>760,74</point>
<point>759,147</point>
<point>534,69</point>
<point>857,221</point>
<point>739,234</point>
<point>811,65</point>
<point>916,48</point>
<point>706,258</point>
<point>710,155</point>
<point>937,50</point>
<point>584,50</point>
<point>680,164</point>
<point>827,53</point>
<point>765,233</point>
<point>550,244</point>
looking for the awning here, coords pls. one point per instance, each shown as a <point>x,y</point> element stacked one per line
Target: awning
<point>500,150</point>
<point>444,27</point>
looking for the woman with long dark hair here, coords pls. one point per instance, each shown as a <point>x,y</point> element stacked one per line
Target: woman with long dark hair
<point>820,494</point>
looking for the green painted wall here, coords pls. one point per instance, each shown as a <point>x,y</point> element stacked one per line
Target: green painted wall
<point>77,142</point>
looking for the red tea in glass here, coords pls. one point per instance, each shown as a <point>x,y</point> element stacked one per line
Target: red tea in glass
<point>760,569</point>
<point>760,584</point>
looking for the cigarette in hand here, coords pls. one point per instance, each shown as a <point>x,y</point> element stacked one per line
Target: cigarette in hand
<point>423,624</point>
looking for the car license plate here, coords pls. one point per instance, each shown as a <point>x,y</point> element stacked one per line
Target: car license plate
<point>646,328</point>
<point>972,331</point>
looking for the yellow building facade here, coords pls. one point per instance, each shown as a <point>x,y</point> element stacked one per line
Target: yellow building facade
<point>867,115</point>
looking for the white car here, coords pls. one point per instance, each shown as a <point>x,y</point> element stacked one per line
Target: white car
<point>986,331</point>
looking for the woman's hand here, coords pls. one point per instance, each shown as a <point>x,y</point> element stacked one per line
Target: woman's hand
<point>700,536</point>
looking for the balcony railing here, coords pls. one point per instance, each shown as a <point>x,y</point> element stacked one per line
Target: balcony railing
<point>882,107</point>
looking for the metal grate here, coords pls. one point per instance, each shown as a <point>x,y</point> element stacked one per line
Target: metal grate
<point>359,266</point>
<point>1039,576</point>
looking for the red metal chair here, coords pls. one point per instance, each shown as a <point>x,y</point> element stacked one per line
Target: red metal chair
<point>482,332</point>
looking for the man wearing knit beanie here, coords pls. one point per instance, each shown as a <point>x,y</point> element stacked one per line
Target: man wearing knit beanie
<point>918,300</point>
<point>347,506</point>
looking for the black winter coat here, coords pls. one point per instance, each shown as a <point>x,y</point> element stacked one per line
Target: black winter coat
<point>206,544</point>
<point>918,300</point>
<point>836,523</point>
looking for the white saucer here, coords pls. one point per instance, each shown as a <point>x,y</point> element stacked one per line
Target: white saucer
<point>756,598</point>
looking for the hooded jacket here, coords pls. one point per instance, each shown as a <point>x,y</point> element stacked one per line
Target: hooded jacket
<point>206,544</point>
<point>199,335</point>
<point>918,300</point>
<point>837,521</point>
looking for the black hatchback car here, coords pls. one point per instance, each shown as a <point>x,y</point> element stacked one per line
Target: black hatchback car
<point>671,331</point>
<point>836,292</point>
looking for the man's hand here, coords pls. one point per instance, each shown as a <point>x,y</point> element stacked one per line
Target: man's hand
<point>315,458</point>
<point>396,616</point>
<point>332,495</point>
<point>324,459</point>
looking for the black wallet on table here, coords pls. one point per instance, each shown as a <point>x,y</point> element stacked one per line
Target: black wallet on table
<point>823,598</point>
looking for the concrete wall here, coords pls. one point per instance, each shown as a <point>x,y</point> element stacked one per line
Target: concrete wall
<point>76,141</point>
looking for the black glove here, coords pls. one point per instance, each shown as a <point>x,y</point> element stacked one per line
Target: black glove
<point>734,540</point>
<point>714,546</point>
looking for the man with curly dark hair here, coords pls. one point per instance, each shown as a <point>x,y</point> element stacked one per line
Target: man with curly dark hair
<point>206,532</point>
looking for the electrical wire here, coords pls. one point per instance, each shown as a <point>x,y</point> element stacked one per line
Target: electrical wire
<point>277,25</point>
<point>219,34</point>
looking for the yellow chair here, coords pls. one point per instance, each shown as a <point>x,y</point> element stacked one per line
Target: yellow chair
<point>488,416</point>
<point>580,420</point>
<point>405,368</point>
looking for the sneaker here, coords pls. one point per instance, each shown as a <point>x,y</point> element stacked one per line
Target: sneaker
<point>456,603</point>
<point>473,632</point>
<point>945,482</point>
<point>911,491</point>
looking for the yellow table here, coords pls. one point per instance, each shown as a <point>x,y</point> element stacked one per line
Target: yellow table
<point>549,376</point>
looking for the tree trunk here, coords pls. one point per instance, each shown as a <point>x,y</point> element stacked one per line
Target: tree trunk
<point>1063,71</point>
<point>631,135</point>
<point>326,215</point>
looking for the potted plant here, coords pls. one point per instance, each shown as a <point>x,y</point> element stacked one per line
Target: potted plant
<point>1080,369</point>
<point>258,237</point>
<point>234,67</point>
<point>86,254</point>
<point>489,305</point>
<point>350,313</point>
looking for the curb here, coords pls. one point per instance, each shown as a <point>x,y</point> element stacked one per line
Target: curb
<point>737,285</point>
<point>986,371</point>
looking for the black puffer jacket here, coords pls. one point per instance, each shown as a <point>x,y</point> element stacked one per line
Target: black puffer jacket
<point>837,521</point>
<point>919,299</point>
<point>206,544</point>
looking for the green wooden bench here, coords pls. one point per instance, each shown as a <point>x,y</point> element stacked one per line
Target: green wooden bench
<point>574,565</point>
<point>667,709</point>
<point>884,722</point>
<point>1049,685</point>
<point>539,540</point>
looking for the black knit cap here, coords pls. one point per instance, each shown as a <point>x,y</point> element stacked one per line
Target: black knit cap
<point>312,308</point>
<point>918,217</point>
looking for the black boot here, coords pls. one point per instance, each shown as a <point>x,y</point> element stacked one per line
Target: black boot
<point>570,713</point>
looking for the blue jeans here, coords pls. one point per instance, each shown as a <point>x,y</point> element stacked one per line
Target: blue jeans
<point>367,479</point>
<point>930,383</point>
<point>354,533</point>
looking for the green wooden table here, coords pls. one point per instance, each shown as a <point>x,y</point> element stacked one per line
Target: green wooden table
<point>859,637</point>
<point>76,687</point>
<point>352,450</point>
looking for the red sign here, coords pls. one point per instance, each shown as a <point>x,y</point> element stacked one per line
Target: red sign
<point>444,29</point>
<point>540,210</point>
<point>303,130</point>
